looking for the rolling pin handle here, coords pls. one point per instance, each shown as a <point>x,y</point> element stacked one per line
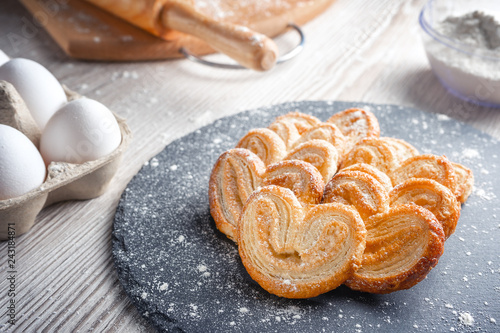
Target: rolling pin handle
<point>285,57</point>
<point>249,48</point>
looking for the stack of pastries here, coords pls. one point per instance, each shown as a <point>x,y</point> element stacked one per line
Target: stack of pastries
<point>313,205</point>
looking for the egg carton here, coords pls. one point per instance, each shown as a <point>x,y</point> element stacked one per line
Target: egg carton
<point>64,181</point>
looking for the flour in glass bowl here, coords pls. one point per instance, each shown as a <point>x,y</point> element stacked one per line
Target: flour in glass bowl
<point>474,72</point>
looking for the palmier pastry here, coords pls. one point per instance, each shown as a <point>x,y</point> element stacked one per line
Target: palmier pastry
<point>465,181</point>
<point>301,121</point>
<point>286,131</point>
<point>320,154</point>
<point>302,178</point>
<point>356,124</point>
<point>295,252</point>
<point>374,151</point>
<point>381,177</point>
<point>402,246</point>
<point>264,143</point>
<point>431,195</point>
<point>236,174</point>
<point>437,168</point>
<point>402,149</point>
<point>358,189</point>
<point>327,132</point>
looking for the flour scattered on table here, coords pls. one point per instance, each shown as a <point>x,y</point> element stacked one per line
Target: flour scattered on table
<point>443,117</point>
<point>154,162</point>
<point>466,319</point>
<point>470,153</point>
<point>481,193</point>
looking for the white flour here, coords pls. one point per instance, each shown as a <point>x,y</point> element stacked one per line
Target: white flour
<point>476,29</point>
<point>474,77</point>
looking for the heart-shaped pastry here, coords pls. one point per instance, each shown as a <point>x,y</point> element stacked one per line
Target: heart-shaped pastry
<point>301,121</point>
<point>298,252</point>
<point>465,181</point>
<point>287,131</point>
<point>402,246</point>
<point>320,154</point>
<point>356,124</point>
<point>381,177</point>
<point>402,149</point>
<point>376,152</point>
<point>238,172</point>
<point>358,189</point>
<point>431,195</point>
<point>302,178</point>
<point>325,131</point>
<point>434,167</point>
<point>264,143</point>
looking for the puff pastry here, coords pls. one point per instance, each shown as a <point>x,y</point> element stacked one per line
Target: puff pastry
<point>431,195</point>
<point>299,238</point>
<point>236,174</point>
<point>358,189</point>
<point>402,149</point>
<point>381,177</point>
<point>301,121</point>
<point>320,154</point>
<point>356,124</point>
<point>328,132</point>
<point>374,151</point>
<point>297,253</point>
<point>402,246</point>
<point>434,167</point>
<point>302,178</point>
<point>287,131</point>
<point>264,143</point>
<point>465,182</point>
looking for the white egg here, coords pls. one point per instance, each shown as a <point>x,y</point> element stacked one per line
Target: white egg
<point>82,130</point>
<point>3,58</point>
<point>39,89</point>
<point>21,165</point>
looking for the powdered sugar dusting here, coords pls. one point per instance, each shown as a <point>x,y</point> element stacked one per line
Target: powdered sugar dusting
<point>466,319</point>
<point>470,153</point>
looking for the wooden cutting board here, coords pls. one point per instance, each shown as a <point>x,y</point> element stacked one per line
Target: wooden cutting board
<point>84,31</point>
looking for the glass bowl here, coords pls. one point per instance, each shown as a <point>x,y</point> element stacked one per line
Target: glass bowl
<point>464,70</point>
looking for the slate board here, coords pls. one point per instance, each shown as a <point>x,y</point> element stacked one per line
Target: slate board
<point>184,275</point>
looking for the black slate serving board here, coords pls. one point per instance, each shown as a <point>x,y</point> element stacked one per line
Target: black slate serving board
<point>184,275</point>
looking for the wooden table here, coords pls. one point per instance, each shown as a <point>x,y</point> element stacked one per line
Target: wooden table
<point>359,50</point>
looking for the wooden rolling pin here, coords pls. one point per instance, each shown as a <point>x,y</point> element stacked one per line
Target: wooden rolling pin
<point>159,17</point>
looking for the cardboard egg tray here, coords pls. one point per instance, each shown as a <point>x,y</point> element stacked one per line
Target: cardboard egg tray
<point>64,181</point>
